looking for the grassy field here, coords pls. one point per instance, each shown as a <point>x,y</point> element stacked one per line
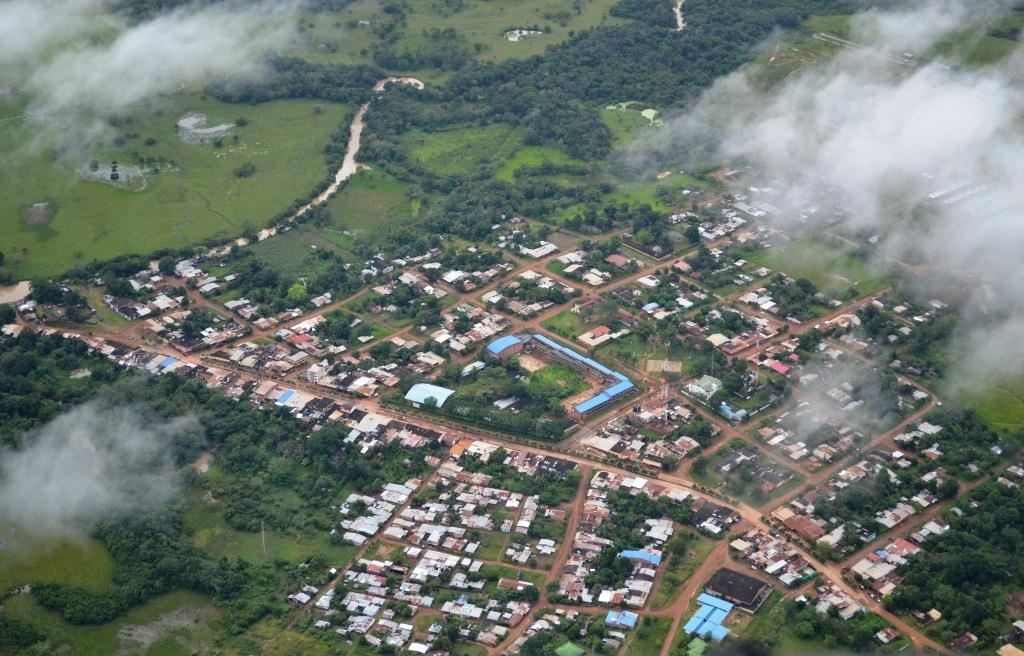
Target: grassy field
<point>212,534</point>
<point>370,204</point>
<point>828,267</point>
<point>464,150</point>
<point>647,638</point>
<point>567,381</point>
<point>170,625</point>
<point>1001,406</point>
<point>340,38</point>
<point>532,156</point>
<point>83,562</point>
<point>625,124</point>
<point>676,575</point>
<point>567,324</point>
<point>202,198</point>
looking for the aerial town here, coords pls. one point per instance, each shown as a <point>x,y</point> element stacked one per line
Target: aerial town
<point>486,391</point>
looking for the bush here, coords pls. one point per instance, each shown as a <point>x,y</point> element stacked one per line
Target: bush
<point>245,170</point>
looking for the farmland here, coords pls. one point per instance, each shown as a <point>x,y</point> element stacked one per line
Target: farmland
<point>828,267</point>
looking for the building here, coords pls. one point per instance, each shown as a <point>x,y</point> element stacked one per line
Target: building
<point>704,388</point>
<point>746,592</point>
<point>505,347</point>
<point>420,392</point>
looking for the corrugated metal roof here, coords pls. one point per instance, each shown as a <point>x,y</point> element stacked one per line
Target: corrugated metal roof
<point>420,392</point>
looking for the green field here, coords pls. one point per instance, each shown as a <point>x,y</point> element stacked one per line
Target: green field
<point>1000,406</point>
<point>828,267</point>
<point>173,624</point>
<point>647,638</point>
<point>464,150</point>
<point>676,574</point>
<point>203,198</point>
<point>532,156</point>
<point>81,561</point>
<point>625,124</point>
<point>210,532</point>
<point>370,204</point>
<point>558,376</point>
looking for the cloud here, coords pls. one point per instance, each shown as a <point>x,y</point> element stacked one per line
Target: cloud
<point>89,464</point>
<point>872,141</point>
<point>28,28</point>
<point>186,47</point>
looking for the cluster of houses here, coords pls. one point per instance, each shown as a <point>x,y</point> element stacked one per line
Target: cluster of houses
<point>742,457</point>
<point>879,569</point>
<point>774,556</point>
<point>514,296</point>
<point>467,325</point>
<point>620,437</point>
<point>365,515</point>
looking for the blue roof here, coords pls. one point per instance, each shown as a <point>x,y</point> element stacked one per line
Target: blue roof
<point>502,343</point>
<point>707,621</point>
<point>646,556</point>
<point>285,396</point>
<point>715,602</point>
<point>650,306</point>
<point>166,362</point>
<point>420,392</point>
<point>621,618</point>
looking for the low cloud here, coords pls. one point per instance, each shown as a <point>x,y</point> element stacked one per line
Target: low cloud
<point>875,140</point>
<point>180,49</point>
<point>90,464</point>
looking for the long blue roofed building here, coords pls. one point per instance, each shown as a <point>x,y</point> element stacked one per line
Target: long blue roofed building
<point>616,385</point>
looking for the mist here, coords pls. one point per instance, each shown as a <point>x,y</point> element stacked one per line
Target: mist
<point>180,49</point>
<point>874,136</point>
<point>90,464</point>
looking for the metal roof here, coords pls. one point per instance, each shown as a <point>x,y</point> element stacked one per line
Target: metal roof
<point>420,392</point>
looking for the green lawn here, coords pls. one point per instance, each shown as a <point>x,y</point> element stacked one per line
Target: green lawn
<point>171,624</point>
<point>678,573</point>
<point>558,376</point>
<point>464,150</point>
<point>567,324</point>
<point>828,267</point>
<point>201,199</point>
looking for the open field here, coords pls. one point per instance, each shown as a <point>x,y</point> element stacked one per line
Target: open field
<point>173,624</point>
<point>212,533</point>
<point>824,265</point>
<point>676,575</point>
<point>532,156</point>
<point>647,638</point>
<point>195,198</point>
<point>370,204</point>
<point>341,38</point>
<point>81,561</point>
<point>464,150</point>
<point>1001,406</point>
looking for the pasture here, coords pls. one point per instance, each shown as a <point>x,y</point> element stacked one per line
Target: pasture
<point>370,204</point>
<point>463,150</point>
<point>80,561</point>
<point>195,196</point>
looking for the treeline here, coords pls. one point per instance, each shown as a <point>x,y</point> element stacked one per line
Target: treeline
<point>292,77</point>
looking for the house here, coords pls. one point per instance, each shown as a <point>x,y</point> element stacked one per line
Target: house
<point>617,260</point>
<point>704,388</point>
